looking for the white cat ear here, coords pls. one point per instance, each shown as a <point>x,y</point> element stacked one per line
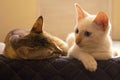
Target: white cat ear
<point>101,20</point>
<point>37,27</point>
<point>80,12</point>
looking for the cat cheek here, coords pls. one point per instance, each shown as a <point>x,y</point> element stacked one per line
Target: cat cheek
<point>22,52</point>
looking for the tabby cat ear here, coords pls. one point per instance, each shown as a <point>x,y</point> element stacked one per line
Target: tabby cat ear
<point>37,27</point>
<point>101,20</point>
<point>80,12</point>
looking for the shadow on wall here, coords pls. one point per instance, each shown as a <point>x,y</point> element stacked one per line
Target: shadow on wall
<point>17,14</point>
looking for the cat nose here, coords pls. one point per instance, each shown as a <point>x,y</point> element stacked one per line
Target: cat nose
<point>78,40</point>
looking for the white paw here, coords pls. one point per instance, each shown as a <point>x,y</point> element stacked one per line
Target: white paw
<point>90,64</point>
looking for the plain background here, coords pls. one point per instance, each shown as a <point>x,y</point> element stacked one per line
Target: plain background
<point>59,15</point>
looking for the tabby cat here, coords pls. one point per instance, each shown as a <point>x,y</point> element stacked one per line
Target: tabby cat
<point>34,44</point>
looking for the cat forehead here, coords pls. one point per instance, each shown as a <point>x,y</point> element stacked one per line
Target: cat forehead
<point>87,19</point>
<point>85,23</point>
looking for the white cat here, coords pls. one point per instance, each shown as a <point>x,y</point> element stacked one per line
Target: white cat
<point>91,40</point>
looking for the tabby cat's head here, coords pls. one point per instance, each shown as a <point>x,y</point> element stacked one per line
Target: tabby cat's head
<point>31,44</point>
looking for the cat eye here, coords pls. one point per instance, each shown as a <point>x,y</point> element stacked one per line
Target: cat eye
<point>76,30</point>
<point>87,33</point>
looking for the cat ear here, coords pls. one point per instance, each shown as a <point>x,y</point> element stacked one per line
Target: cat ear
<point>80,12</point>
<point>101,20</point>
<point>37,27</point>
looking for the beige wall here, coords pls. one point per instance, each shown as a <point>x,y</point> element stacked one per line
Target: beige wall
<point>116,20</point>
<point>17,14</point>
<point>59,15</point>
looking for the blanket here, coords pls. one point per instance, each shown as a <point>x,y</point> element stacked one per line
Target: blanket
<point>61,68</point>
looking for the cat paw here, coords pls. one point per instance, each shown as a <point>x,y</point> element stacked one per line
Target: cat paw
<point>90,64</point>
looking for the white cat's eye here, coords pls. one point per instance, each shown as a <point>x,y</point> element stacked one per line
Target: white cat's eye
<point>76,30</point>
<point>86,33</point>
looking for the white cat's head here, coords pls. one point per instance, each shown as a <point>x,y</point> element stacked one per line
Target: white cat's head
<point>90,29</point>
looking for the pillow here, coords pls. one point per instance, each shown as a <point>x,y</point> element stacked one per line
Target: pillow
<point>2,46</point>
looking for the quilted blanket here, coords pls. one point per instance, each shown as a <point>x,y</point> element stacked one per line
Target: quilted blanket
<point>62,68</point>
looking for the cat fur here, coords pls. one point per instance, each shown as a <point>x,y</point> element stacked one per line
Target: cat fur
<point>91,40</point>
<point>33,44</point>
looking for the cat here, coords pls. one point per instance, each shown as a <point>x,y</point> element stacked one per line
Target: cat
<point>91,39</point>
<point>33,44</point>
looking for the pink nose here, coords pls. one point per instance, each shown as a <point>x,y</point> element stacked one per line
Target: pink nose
<point>78,40</point>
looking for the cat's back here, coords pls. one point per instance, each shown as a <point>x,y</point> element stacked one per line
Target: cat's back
<point>70,39</point>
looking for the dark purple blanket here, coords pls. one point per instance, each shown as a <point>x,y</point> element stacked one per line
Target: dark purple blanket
<point>57,69</point>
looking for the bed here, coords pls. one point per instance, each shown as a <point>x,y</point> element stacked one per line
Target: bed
<point>62,68</point>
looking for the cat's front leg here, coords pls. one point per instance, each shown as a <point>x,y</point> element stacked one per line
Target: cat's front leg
<point>88,61</point>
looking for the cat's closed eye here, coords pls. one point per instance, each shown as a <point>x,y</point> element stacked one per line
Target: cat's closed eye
<point>87,34</point>
<point>76,30</point>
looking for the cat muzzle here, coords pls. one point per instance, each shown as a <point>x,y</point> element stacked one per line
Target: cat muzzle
<point>78,40</point>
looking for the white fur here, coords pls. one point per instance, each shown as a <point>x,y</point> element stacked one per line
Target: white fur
<point>101,50</point>
<point>70,39</point>
<point>97,46</point>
